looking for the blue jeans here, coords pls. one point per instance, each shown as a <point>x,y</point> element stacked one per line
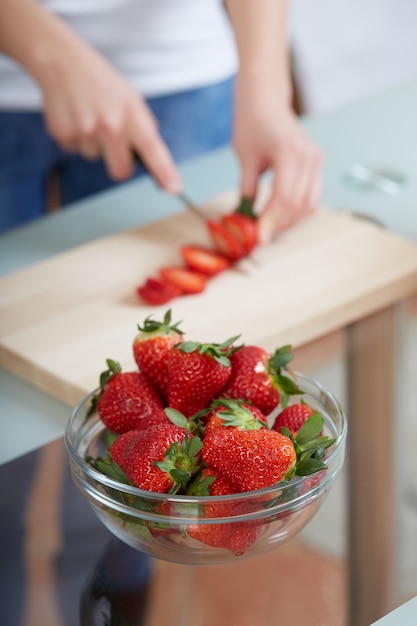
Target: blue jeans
<point>191,122</point>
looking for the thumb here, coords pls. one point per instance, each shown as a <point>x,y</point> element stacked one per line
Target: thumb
<point>249,179</point>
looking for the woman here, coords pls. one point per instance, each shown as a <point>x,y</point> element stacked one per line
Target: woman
<point>85,84</point>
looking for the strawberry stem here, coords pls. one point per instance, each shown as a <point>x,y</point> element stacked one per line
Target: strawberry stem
<point>219,351</point>
<point>232,413</point>
<point>164,327</point>
<point>113,368</point>
<point>309,446</point>
<point>181,461</point>
<point>246,208</point>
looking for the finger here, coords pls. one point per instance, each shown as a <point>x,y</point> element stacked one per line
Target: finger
<point>158,160</point>
<point>89,150</point>
<point>282,209</point>
<point>118,158</point>
<point>250,172</point>
<point>279,211</point>
<point>313,193</point>
<point>147,142</point>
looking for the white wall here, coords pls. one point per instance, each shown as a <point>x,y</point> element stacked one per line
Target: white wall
<point>345,50</point>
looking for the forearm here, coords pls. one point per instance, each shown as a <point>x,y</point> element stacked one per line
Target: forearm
<point>260,29</point>
<point>37,39</point>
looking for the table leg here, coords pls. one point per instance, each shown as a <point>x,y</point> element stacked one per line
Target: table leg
<point>371,541</point>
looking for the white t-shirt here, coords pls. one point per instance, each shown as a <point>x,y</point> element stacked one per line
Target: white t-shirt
<point>161,46</point>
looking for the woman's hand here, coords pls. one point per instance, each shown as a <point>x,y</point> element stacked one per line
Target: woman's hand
<point>89,107</point>
<point>92,109</point>
<point>268,136</point>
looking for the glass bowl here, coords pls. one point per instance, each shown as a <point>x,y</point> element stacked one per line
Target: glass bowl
<point>177,528</point>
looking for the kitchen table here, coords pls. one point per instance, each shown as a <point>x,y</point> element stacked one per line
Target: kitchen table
<point>377,132</point>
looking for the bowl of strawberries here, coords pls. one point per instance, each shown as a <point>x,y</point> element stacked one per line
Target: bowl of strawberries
<point>206,453</point>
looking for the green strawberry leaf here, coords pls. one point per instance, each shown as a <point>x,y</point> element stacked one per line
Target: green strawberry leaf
<point>223,360</point>
<point>219,352</point>
<point>287,385</point>
<point>180,476</point>
<point>134,526</point>
<point>108,467</point>
<point>164,327</point>
<point>309,466</point>
<point>189,346</point>
<point>246,207</point>
<point>286,432</point>
<point>318,443</point>
<point>113,368</point>
<point>164,466</point>
<point>200,486</point>
<point>311,428</point>
<point>232,413</point>
<point>177,418</point>
<point>194,446</point>
<point>229,342</point>
<point>281,357</point>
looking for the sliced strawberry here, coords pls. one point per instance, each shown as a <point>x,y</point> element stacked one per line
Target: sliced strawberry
<point>183,279</point>
<point>242,227</point>
<point>158,291</point>
<point>203,260</point>
<point>224,241</point>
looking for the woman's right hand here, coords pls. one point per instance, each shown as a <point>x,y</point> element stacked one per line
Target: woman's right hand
<point>89,107</point>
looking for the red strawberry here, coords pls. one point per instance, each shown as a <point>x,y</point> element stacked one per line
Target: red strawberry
<point>127,400</point>
<point>157,291</point>
<point>292,417</point>
<point>183,279</point>
<point>250,459</point>
<point>151,346</point>
<point>234,414</point>
<point>236,537</point>
<point>161,458</point>
<point>196,373</point>
<point>256,376</point>
<point>203,260</point>
<point>243,228</point>
<point>224,241</point>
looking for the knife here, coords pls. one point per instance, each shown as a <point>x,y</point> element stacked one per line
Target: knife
<point>199,213</point>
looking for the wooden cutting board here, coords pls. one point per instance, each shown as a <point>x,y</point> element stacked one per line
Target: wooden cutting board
<point>61,318</point>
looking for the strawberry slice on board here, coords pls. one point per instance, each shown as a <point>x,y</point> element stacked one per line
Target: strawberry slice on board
<point>242,224</point>
<point>185,280</point>
<point>225,241</point>
<point>156,291</point>
<point>203,260</point>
